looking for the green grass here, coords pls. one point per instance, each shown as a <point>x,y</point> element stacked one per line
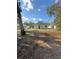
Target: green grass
<point>40,30</point>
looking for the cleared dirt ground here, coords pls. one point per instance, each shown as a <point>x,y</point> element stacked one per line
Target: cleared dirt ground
<point>39,45</point>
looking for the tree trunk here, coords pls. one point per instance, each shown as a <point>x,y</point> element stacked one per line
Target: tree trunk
<point>20,20</point>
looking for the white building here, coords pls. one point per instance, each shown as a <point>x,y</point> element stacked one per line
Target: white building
<point>41,26</point>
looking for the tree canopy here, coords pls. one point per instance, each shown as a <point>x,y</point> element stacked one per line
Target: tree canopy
<point>56,11</point>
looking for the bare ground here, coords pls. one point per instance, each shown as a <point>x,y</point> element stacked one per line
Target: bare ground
<point>39,45</point>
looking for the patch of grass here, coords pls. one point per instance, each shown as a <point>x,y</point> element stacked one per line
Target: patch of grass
<point>43,29</point>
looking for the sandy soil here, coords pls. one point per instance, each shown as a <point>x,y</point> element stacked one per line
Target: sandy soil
<point>39,45</point>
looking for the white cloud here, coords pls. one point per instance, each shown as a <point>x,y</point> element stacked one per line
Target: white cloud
<point>39,9</point>
<point>23,7</point>
<point>28,5</point>
<point>34,19</point>
<point>24,18</point>
<point>27,9</point>
<point>56,1</point>
<point>40,19</point>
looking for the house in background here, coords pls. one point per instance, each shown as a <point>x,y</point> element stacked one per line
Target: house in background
<point>41,25</point>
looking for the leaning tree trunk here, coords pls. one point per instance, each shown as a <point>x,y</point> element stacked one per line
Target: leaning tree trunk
<point>20,20</point>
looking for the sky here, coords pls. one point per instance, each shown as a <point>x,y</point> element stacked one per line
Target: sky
<point>36,10</point>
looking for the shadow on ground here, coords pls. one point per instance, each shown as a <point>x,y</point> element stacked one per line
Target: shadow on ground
<point>38,46</point>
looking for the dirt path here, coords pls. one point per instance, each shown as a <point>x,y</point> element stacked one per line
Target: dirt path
<point>34,46</point>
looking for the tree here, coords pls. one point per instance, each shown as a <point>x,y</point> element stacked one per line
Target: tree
<point>20,19</point>
<point>26,23</point>
<point>30,24</point>
<point>56,11</point>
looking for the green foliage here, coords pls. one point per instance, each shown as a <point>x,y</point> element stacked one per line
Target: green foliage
<point>56,11</point>
<point>30,23</point>
<point>25,23</point>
